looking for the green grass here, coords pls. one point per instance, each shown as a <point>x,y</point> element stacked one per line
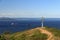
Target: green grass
<point>55,31</point>
<point>34,35</point>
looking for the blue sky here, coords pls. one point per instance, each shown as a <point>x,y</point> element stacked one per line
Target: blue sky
<point>30,8</point>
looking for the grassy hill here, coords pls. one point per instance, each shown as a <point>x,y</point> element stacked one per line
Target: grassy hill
<point>32,34</point>
<point>56,32</point>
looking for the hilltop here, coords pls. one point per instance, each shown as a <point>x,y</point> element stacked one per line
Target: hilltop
<point>34,34</point>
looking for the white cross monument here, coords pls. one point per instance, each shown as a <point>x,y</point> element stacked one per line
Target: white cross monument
<point>42,20</point>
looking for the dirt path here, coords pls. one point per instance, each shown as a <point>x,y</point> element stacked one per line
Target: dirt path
<point>50,35</point>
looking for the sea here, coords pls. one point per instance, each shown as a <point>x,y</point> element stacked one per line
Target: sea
<point>22,24</point>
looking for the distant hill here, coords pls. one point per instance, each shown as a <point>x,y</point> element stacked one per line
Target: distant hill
<point>6,18</point>
<point>45,19</point>
<point>34,34</point>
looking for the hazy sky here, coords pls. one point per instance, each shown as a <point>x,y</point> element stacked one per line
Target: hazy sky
<point>30,8</point>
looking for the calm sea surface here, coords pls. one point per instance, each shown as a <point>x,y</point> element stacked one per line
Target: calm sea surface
<point>21,25</point>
